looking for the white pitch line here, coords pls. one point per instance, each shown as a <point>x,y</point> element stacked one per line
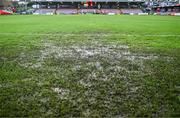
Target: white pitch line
<point>162,35</point>
<point>91,34</point>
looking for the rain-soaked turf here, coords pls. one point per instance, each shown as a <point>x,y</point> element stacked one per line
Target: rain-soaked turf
<point>89,66</point>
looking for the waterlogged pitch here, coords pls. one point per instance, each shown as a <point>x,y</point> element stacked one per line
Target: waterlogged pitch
<point>89,66</point>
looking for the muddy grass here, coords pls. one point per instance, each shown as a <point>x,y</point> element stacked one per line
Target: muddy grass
<point>93,79</point>
<point>90,52</point>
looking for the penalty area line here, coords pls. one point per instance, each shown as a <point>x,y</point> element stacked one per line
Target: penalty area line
<point>91,34</point>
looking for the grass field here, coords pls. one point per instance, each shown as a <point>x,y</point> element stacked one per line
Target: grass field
<point>89,66</point>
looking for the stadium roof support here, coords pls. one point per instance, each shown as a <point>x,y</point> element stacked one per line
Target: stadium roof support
<point>87,0</point>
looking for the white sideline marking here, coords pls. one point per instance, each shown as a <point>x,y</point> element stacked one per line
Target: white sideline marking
<point>90,34</point>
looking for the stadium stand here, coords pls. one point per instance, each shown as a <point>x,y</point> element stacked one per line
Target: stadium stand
<point>129,11</point>
<point>66,11</point>
<point>87,11</point>
<point>110,11</point>
<point>163,7</point>
<point>49,7</point>
<point>87,6</point>
<point>45,11</point>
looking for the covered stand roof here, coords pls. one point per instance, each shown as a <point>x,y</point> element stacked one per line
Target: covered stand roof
<point>87,0</point>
